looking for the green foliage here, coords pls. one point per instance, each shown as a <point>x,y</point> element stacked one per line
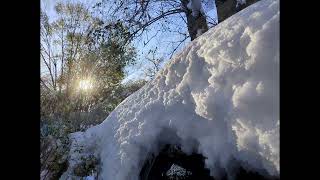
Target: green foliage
<point>58,119</point>
<point>83,49</point>
<point>77,47</point>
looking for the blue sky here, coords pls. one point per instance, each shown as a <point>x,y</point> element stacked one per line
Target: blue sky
<point>161,42</point>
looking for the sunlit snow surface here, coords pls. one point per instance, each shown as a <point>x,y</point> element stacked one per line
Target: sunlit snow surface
<point>220,96</point>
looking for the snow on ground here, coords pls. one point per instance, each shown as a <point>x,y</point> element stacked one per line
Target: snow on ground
<point>219,97</point>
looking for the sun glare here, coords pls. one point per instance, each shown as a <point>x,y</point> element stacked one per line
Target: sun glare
<point>85,84</point>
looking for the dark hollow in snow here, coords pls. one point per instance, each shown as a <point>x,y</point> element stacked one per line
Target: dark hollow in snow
<point>156,167</point>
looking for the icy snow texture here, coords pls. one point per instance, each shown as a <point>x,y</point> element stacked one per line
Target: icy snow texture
<point>218,97</point>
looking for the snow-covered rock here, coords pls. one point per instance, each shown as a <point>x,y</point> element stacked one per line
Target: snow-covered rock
<point>220,97</point>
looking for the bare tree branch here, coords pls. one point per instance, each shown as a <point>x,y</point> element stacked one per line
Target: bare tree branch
<point>142,28</point>
<point>180,42</point>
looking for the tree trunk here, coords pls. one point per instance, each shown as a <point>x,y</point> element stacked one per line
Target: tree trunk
<point>197,25</point>
<point>227,8</point>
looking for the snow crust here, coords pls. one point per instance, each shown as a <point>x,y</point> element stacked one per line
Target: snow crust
<point>219,97</point>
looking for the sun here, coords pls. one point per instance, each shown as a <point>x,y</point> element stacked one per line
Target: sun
<point>85,84</point>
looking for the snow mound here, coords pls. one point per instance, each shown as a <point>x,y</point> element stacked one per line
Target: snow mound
<point>219,97</point>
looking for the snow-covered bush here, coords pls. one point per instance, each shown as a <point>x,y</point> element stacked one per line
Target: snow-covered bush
<point>59,119</point>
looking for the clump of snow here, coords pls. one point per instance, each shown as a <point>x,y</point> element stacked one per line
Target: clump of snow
<point>177,171</point>
<point>220,97</point>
